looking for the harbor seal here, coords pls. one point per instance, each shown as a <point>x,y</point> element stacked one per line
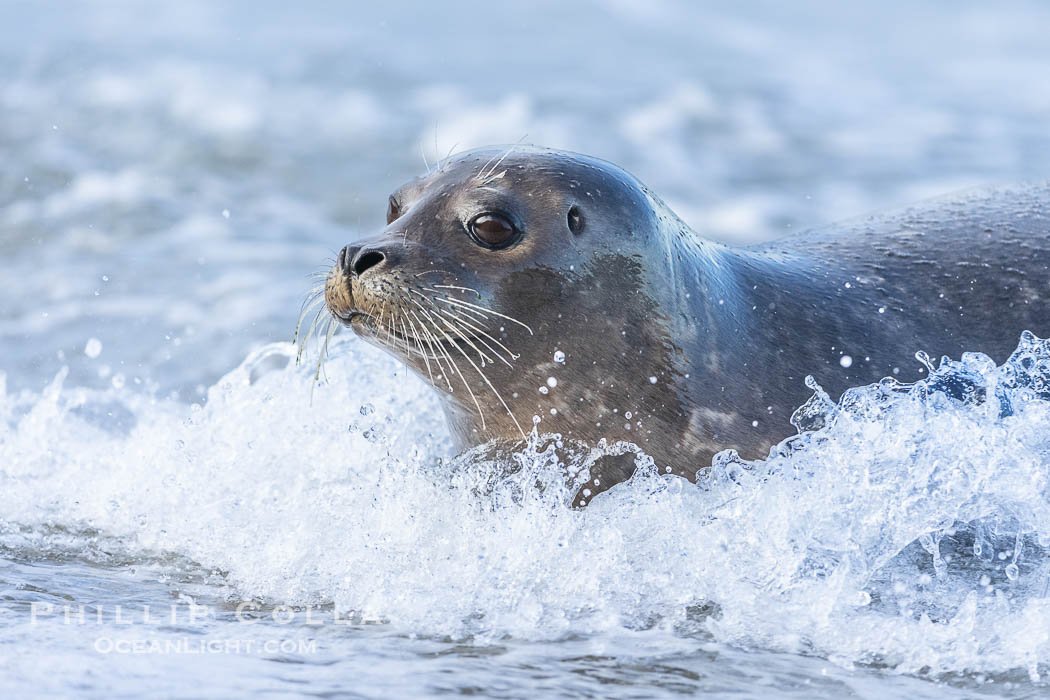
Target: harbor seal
<point>528,284</point>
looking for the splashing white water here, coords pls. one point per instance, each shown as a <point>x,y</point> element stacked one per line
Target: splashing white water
<point>907,527</point>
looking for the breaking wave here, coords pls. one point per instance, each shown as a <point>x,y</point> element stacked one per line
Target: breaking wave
<point>905,526</point>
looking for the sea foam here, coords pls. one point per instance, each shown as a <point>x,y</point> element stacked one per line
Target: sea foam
<point>906,525</point>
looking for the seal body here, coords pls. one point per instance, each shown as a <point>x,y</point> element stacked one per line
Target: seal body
<point>536,286</point>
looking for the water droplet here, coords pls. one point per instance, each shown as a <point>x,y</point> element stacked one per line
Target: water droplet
<point>628,415</point>
<point>559,357</point>
<point>544,390</point>
<point>372,435</point>
<point>652,380</point>
<point>93,348</point>
<point>552,382</point>
<point>225,213</point>
<point>1011,571</point>
<point>985,580</point>
<point>846,361</point>
<point>367,409</point>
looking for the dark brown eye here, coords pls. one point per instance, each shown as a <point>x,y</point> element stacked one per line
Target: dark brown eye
<point>492,230</point>
<point>393,210</point>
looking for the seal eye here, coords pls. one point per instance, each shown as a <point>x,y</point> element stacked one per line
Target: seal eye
<point>492,230</point>
<point>393,210</point>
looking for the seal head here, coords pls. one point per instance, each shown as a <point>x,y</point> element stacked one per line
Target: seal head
<point>519,283</point>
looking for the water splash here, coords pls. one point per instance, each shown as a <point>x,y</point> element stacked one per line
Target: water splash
<point>905,526</point>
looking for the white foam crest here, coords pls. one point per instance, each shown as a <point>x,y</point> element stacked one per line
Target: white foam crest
<point>908,528</point>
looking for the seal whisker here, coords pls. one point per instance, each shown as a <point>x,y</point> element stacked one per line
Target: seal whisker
<point>481,355</point>
<point>309,334</point>
<point>480,320</point>
<point>404,331</point>
<point>480,332</point>
<point>437,164</point>
<point>444,161</point>
<point>391,324</point>
<point>310,302</point>
<point>455,365</point>
<point>380,328</point>
<point>477,404</point>
<point>426,360</point>
<point>481,177</point>
<point>373,327</point>
<point>430,343</point>
<point>481,173</point>
<point>499,397</point>
<point>480,317</point>
<point>450,286</point>
<point>313,296</point>
<point>440,347</point>
<point>323,353</point>
<point>308,306</point>
<point>484,378</point>
<point>382,331</point>
<point>457,302</point>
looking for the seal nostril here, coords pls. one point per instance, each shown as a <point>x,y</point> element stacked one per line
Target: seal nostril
<point>366,261</point>
<point>346,257</point>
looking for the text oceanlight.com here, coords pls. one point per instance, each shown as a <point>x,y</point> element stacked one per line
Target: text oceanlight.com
<point>190,645</point>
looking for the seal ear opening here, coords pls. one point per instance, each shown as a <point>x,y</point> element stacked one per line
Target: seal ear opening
<point>575,219</point>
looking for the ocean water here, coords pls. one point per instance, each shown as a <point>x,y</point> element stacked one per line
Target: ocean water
<point>185,511</point>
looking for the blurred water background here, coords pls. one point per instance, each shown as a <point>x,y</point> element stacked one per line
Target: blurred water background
<point>170,175</point>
